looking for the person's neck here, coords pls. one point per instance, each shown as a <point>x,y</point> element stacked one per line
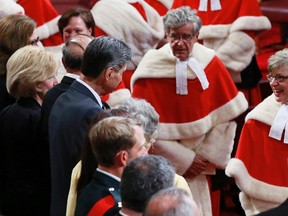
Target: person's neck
<point>93,84</point>
<point>72,71</point>
<point>130,212</point>
<point>116,171</point>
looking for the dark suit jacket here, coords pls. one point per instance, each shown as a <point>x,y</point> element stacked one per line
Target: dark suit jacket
<point>24,189</point>
<point>5,98</point>
<point>49,100</point>
<point>97,191</point>
<point>68,123</point>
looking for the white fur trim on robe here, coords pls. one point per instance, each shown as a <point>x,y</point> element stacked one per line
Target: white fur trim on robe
<point>200,190</point>
<point>266,111</point>
<point>57,51</point>
<point>256,196</point>
<point>121,20</point>
<point>164,63</point>
<point>187,138</point>
<point>8,7</point>
<point>49,28</point>
<point>232,45</point>
<point>116,97</point>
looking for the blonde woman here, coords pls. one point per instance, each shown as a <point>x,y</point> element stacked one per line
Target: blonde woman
<point>23,185</point>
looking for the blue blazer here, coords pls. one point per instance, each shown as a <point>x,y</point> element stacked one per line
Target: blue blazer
<point>68,123</point>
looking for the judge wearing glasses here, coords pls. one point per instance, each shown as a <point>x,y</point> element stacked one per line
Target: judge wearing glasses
<point>196,99</point>
<point>263,144</point>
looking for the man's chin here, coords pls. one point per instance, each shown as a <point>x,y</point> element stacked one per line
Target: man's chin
<point>181,56</point>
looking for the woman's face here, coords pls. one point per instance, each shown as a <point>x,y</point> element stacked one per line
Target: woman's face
<point>75,26</point>
<point>279,85</point>
<point>48,84</point>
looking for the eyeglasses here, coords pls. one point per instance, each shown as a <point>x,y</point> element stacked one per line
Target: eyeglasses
<point>35,41</point>
<point>277,78</point>
<point>184,37</point>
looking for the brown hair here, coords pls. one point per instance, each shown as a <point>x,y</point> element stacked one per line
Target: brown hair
<point>85,14</point>
<point>15,32</point>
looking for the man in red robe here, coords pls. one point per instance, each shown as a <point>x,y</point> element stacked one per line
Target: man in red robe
<point>196,99</point>
<point>229,28</point>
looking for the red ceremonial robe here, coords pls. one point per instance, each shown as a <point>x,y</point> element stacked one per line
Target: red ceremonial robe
<point>197,123</point>
<point>265,158</point>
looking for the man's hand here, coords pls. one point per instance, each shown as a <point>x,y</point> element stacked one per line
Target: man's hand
<point>198,165</point>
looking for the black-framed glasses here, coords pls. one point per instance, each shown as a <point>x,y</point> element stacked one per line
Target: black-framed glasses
<point>35,41</point>
<point>277,78</point>
<point>184,37</point>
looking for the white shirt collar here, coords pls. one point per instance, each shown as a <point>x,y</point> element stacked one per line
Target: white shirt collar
<point>91,90</point>
<point>109,174</point>
<point>74,76</point>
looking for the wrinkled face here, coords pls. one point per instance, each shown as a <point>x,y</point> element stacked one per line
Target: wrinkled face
<point>75,26</point>
<point>182,41</point>
<point>279,84</point>
<point>141,146</point>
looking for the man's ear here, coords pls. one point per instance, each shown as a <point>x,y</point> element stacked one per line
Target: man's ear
<point>108,73</point>
<point>122,158</point>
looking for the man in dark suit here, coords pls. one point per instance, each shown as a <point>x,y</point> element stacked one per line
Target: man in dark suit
<point>104,61</point>
<point>115,141</point>
<point>73,51</point>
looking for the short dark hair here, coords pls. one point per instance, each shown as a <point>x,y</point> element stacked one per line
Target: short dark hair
<point>142,178</point>
<point>85,14</point>
<point>104,52</point>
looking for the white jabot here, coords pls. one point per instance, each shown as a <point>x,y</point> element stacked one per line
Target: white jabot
<point>279,124</point>
<point>215,5</point>
<point>181,75</point>
<point>195,66</point>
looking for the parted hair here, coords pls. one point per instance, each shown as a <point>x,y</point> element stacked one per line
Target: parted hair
<point>85,14</point>
<point>178,17</point>
<point>278,60</point>
<point>104,52</point>
<point>26,67</point>
<point>15,32</point>
<point>111,135</point>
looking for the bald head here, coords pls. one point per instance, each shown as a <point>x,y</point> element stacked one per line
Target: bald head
<point>73,51</point>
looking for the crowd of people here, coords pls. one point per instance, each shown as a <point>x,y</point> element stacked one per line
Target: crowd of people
<point>132,111</point>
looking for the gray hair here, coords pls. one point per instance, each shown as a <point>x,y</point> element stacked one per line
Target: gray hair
<point>142,178</point>
<point>278,61</point>
<point>181,16</point>
<point>104,52</point>
<point>145,113</point>
<point>171,202</point>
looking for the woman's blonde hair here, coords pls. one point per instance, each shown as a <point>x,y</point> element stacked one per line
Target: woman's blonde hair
<point>15,32</point>
<point>26,67</point>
